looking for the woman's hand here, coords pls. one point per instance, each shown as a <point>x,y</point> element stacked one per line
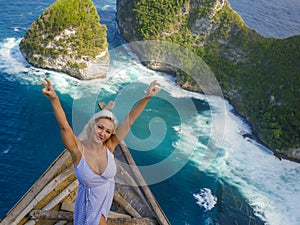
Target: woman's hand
<point>48,89</point>
<point>152,89</point>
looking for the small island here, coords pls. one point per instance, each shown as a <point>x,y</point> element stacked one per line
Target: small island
<point>69,38</point>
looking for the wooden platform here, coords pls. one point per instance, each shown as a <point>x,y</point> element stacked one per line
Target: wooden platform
<point>51,198</point>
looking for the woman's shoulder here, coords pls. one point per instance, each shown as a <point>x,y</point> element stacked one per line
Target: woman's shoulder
<point>111,143</point>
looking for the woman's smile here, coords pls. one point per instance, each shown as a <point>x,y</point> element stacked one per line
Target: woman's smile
<point>103,129</point>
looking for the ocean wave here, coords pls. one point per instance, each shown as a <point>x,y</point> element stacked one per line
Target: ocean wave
<point>205,199</point>
<point>109,8</point>
<point>270,186</point>
<point>11,60</point>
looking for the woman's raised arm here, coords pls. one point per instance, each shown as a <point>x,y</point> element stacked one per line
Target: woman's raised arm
<point>123,129</point>
<point>68,137</point>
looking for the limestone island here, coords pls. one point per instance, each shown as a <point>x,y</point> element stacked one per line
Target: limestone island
<point>69,38</point>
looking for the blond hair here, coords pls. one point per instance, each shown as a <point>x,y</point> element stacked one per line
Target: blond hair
<point>84,135</point>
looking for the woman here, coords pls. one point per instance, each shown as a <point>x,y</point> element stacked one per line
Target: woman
<point>92,155</point>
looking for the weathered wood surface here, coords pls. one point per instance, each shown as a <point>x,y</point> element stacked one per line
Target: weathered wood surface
<point>128,208</point>
<point>132,221</point>
<point>51,199</point>
<point>68,217</point>
<point>22,207</point>
<point>160,215</point>
<point>51,215</point>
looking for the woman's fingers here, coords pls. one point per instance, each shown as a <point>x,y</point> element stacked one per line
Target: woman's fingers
<point>48,82</point>
<point>153,88</point>
<point>42,83</point>
<point>47,85</point>
<point>48,89</point>
<point>153,83</point>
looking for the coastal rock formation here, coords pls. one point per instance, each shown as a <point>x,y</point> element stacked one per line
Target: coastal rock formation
<point>259,76</point>
<point>189,23</point>
<point>69,38</point>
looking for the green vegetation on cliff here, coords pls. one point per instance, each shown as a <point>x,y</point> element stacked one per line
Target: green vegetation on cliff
<point>66,28</point>
<point>154,17</point>
<point>260,76</point>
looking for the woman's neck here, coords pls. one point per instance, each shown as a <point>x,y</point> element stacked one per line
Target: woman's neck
<point>97,147</point>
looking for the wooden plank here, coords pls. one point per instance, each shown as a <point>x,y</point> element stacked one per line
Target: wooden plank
<point>37,192</point>
<point>109,106</point>
<point>131,182</point>
<point>160,216</point>
<point>51,215</point>
<point>114,215</point>
<point>132,221</point>
<point>57,200</point>
<point>30,222</point>
<point>101,105</point>
<point>67,206</point>
<point>35,189</point>
<point>128,208</point>
<point>62,223</point>
<point>48,188</point>
<point>61,195</point>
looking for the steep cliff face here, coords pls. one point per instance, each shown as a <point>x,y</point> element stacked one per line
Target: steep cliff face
<point>201,25</point>
<point>260,76</point>
<point>69,38</point>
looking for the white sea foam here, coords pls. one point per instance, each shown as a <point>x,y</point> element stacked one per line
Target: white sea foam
<point>109,8</point>
<point>188,141</point>
<point>13,63</point>
<point>177,129</point>
<point>11,60</point>
<point>270,186</point>
<point>205,199</point>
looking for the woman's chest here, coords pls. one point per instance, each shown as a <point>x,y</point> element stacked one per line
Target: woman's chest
<point>97,162</point>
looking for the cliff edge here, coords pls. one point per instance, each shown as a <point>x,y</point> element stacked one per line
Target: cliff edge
<point>259,76</point>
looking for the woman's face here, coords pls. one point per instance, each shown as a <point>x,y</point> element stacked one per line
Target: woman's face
<point>103,129</point>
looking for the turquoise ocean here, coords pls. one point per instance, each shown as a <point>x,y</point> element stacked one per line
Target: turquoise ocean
<point>193,150</point>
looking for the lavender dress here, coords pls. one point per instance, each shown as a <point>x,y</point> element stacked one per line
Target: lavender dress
<point>95,192</point>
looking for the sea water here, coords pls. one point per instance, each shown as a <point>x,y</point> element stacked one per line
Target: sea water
<point>191,148</point>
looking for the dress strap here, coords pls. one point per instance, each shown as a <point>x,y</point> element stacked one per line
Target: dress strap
<point>108,151</point>
<point>82,150</point>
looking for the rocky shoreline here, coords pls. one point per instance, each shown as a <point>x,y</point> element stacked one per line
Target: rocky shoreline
<point>241,59</point>
<point>76,44</point>
<point>290,154</point>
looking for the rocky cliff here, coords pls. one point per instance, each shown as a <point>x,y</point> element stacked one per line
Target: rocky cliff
<point>259,76</point>
<point>205,27</point>
<point>69,38</point>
